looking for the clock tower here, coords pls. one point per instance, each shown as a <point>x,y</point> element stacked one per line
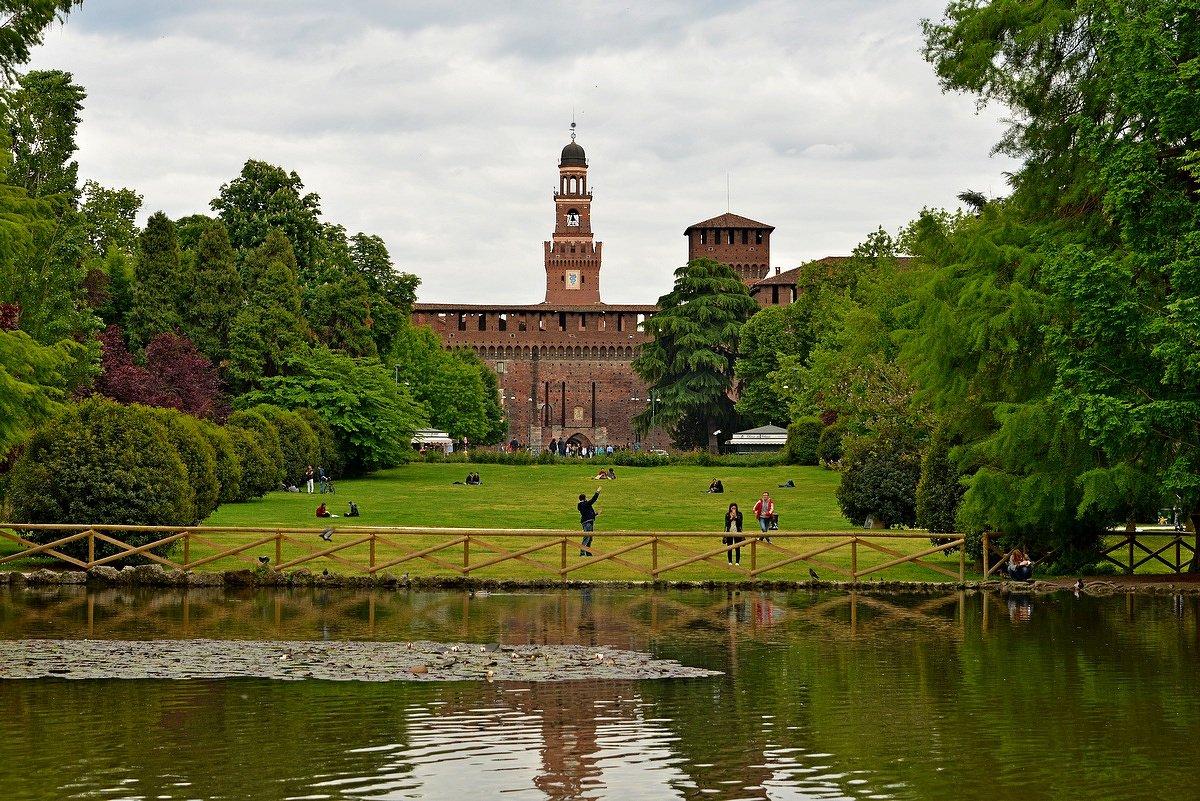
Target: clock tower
<point>572,254</point>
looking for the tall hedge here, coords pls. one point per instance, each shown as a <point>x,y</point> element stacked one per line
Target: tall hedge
<point>259,473</point>
<point>228,467</point>
<point>296,439</point>
<point>329,455</point>
<point>267,436</point>
<point>101,462</point>
<point>198,457</point>
<point>803,436</point>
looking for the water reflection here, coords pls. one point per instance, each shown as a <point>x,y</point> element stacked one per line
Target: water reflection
<point>824,696</point>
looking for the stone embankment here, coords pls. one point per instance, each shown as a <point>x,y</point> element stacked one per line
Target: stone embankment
<point>155,576</point>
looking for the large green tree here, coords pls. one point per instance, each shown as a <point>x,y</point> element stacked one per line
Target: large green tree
<point>372,416</point>
<point>1086,278</point>
<point>772,334</point>
<point>34,382</point>
<point>457,389</point>
<point>22,23</point>
<point>689,359</point>
<point>265,198</point>
<point>41,114</point>
<point>216,292</point>
<point>158,278</point>
<point>270,326</point>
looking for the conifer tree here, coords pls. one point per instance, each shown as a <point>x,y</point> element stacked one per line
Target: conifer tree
<point>270,326</point>
<point>216,295</point>
<point>157,281</point>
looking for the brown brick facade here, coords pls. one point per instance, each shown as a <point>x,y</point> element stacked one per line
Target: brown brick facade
<point>742,243</point>
<point>564,365</point>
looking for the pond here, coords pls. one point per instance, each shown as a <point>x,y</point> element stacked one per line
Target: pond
<point>818,696</point>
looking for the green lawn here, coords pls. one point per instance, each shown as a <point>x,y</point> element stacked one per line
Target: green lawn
<point>544,496</point>
<point>639,501</point>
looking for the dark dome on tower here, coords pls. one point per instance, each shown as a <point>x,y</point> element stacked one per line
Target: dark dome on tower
<point>573,156</point>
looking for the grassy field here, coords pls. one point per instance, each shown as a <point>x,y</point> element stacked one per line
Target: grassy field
<point>543,497</point>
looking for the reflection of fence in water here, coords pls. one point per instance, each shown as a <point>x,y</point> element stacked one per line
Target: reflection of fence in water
<point>463,551</point>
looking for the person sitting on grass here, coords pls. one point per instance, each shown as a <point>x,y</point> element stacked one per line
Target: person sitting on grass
<point>716,486</point>
<point>322,511</point>
<point>353,512</point>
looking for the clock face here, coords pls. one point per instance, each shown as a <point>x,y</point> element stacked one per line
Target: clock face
<point>572,279</point>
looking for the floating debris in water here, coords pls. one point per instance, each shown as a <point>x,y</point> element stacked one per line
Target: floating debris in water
<point>325,660</point>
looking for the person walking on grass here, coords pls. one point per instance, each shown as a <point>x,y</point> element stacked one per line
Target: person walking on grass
<point>587,519</point>
<point>764,512</point>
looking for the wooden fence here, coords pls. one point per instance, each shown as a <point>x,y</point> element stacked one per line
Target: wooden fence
<point>467,551</point>
<point>1136,547</point>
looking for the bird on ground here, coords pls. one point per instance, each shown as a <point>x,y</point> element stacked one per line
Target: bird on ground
<point>813,575</point>
<point>327,535</point>
<point>1078,586</point>
<point>264,560</point>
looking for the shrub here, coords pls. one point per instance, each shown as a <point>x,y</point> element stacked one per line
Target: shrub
<point>939,490</point>
<point>829,446</point>
<point>101,462</point>
<point>297,441</point>
<point>880,482</point>
<point>328,454</point>
<point>259,474</point>
<point>198,457</point>
<point>803,440</point>
<point>267,437</point>
<point>228,468</point>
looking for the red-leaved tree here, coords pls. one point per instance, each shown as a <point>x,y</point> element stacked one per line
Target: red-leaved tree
<point>175,376</point>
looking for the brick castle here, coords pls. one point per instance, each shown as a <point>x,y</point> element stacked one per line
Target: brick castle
<point>565,365</point>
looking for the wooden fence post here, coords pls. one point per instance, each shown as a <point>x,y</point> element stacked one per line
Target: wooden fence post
<point>854,561</point>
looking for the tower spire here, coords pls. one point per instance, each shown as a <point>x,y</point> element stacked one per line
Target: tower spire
<point>572,254</point>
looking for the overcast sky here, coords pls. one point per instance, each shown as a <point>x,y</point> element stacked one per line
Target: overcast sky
<point>438,124</point>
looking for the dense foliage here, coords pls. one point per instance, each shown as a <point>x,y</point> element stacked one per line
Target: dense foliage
<point>101,462</point>
<point>688,362</point>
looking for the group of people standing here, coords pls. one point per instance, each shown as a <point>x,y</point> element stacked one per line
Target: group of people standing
<point>562,447</point>
<point>764,513</point>
<point>318,476</point>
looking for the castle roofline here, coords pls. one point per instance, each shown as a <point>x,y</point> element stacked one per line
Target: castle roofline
<point>728,220</point>
<point>544,308</point>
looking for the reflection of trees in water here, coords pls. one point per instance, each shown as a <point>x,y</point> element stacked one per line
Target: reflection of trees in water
<point>820,689</point>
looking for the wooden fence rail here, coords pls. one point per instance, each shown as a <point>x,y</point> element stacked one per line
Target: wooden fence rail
<point>464,551</point>
<point>1129,544</point>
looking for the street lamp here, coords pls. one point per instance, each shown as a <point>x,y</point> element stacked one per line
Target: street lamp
<point>653,402</point>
